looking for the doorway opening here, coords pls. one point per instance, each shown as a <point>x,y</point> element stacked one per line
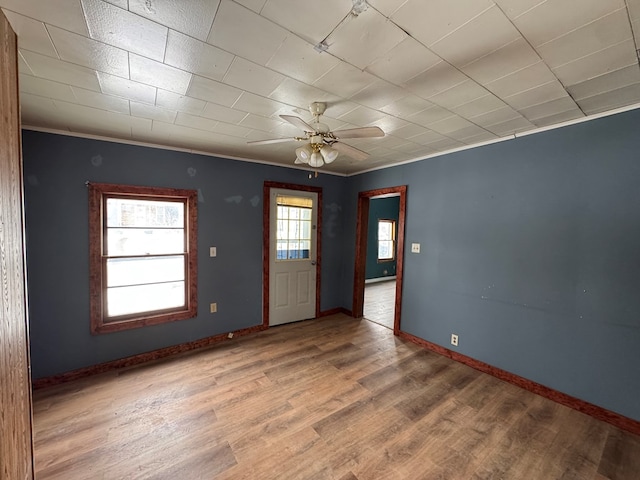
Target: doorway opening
<point>383,251</point>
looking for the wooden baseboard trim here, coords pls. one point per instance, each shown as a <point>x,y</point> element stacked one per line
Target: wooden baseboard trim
<point>599,413</point>
<point>333,311</point>
<point>140,358</point>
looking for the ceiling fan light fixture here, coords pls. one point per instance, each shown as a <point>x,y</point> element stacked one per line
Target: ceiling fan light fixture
<point>303,154</point>
<point>329,154</point>
<point>316,160</point>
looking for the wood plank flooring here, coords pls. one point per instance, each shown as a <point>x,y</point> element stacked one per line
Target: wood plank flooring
<point>380,302</point>
<point>334,398</point>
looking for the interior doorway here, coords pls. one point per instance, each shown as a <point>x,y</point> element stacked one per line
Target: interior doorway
<point>363,244</point>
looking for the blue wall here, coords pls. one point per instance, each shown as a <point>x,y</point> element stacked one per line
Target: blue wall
<point>229,217</point>
<point>530,252</point>
<point>387,209</point>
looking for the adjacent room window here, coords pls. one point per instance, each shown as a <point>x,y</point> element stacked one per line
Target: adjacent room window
<point>293,240</point>
<point>143,256</point>
<point>386,240</point>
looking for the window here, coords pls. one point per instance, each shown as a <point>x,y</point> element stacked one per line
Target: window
<point>293,238</point>
<point>143,256</point>
<point>386,240</point>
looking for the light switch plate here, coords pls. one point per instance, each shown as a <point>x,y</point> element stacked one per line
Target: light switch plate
<point>415,248</point>
<point>213,251</point>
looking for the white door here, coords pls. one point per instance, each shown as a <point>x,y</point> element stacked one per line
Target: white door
<point>292,259</point>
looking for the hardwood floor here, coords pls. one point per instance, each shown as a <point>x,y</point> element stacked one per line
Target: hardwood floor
<point>380,302</point>
<point>335,398</point>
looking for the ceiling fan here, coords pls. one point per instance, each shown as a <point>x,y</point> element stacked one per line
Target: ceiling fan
<point>323,145</point>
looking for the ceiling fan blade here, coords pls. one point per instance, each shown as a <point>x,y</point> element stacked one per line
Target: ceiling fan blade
<point>297,122</point>
<point>350,151</point>
<point>271,140</point>
<point>359,132</point>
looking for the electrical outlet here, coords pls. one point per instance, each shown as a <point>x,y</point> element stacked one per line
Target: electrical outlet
<point>415,248</point>
<point>230,335</point>
<point>213,308</point>
<point>213,251</point>
<point>454,339</point>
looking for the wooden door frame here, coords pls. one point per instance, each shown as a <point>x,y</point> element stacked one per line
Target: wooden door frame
<point>364,199</point>
<point>266,238</point>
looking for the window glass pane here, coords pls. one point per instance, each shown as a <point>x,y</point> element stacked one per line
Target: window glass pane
<point>144,298</point>
<point>133,241</point>
<point>135,271</point>
<point>125,212</point>
<point>384,230</point>
<point>385,250</point>
<point>305,214</point>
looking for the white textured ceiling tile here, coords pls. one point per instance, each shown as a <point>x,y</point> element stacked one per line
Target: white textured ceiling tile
<point>193,17</point>
<point>193,121</point>
<point>90,53</point>
<point>494,117</point>
<point>403,62</point>
<point>635,27</point>
<point>37,111</point>
<point>390,123</point>
<point>510,127</point>
<point>255,5</point>
<point>549,108</point>
<point>445,144</point>
<point>212,91</point>
<point>23,66</point>
<point>154,113</point>
<point>362,116</point>
<point>249,102</point>
<point>65,14</point>
<point>405,106</point>
<point>430,115</point>
<point>60,71</point>
<point>344,80</point>
<point>472,133</point>
<point>120,28</point>
<point>504,61</point>
<point>450,124</point>
<point>97,121</point>
<point>410,147</point>
<point>89,98</point>
<point>554,18</point>
<point>298,94</point>
<point>158,74</point>
<point>620,97</point>
<point>46,88</point>
<point>515,8</point>
<point>438,78</point>
<point>192,55</point>
<point>409,131</point>
<point>297,59</point>
<point>121,87</point>
<point>606,83</point>
<point>378,94</point>
<point>119,3</point>
<point>312,21</point>
<point>391,141</point>
<point>490,31</point>
<point>595,36</point>
<point>242,32</point>
<point>386,7</point>
<point>233,130</point>
<point>260,123</point>
<point>634,9</point>
<point>428,137</point>
<point>536,95</point>
<point>521,80</point>
<point>363,39</point>
<point>252,77</point>
<point>32,34</point>
<point>223,114</point>
<point>559,118</point>
<point>430,21</point>
<point>180,103</point>
<point>486,103</point>
<point>599,63</point>
<point>462,93</point>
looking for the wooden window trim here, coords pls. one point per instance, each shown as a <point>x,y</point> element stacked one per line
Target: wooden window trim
<point>97,284</point>
<point>393,241</point>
